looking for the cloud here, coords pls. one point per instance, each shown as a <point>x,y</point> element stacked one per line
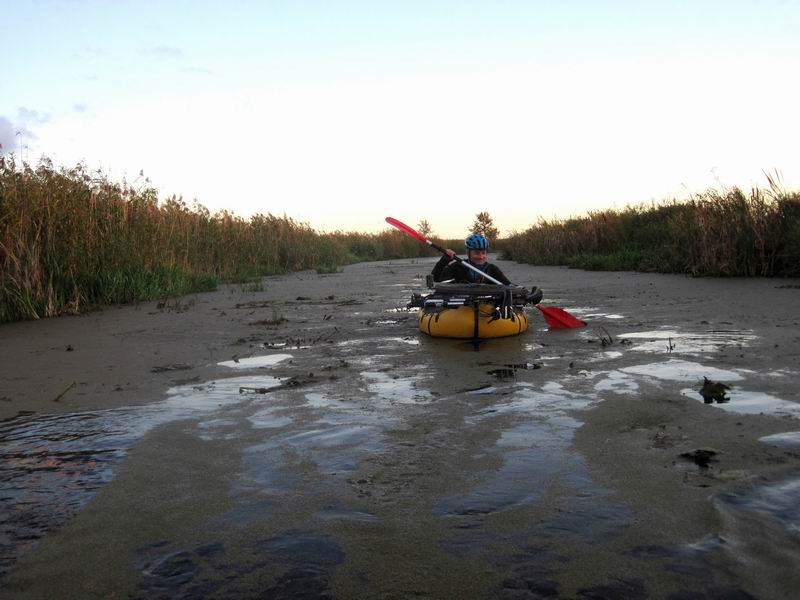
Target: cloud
<point>13,134</point>
<point>163,52</point>
<point>8,139</point>
<point>27,116</point>
<point>80,107</point>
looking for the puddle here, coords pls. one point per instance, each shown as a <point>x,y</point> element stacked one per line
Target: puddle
<point>530,347</point>
<point>580,310</point>
<point>603,356</point>
<point>395,389</point>
<point>744,402</point>
<point>533,453</point>
<point>331,439</point>
<point>296,564</point>
<point>319,400</point>
<point>681,370</point>
<point>678,342</point>
<point>284,463</point>
<point>393,341</point>
<point>486,389</point>
<point>779,502</point>
<point>218,429</point>
<point>551,400</point>
<point>534,450</point>
<point>256,362</point>
<point>176,573</point>
<point>383,343</point>
<point>269,418</point>
<point>790,439</point>
<point>618,383</point>
<point>52,465</point>
<point>341,513</point>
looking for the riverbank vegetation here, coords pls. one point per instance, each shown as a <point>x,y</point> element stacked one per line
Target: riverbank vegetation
<point>71,239</point>
<point>720,233</point>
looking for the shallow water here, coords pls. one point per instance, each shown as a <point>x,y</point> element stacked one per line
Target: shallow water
<point>682,342</point>
<point>745,402</point>
<point>790,439</point>
<point>254,362</point>
<point>461,455</point>
<point>52,465</point>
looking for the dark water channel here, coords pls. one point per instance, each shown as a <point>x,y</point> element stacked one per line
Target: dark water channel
<point>444,478</point>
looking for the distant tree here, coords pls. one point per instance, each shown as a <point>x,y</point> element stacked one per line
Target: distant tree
<point>424,228</point>
<point>484,224</point>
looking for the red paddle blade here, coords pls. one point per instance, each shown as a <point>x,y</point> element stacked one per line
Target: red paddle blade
<point>558,318</point>
<point>403,227</point>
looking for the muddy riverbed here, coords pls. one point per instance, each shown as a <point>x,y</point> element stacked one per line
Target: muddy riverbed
<point>302,439</point>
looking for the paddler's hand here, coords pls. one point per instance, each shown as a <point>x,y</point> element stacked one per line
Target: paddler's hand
<point>450,253</point>
<point>534,296</point>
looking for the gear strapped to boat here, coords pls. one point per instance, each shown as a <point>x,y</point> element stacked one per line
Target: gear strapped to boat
<point>474,310</point>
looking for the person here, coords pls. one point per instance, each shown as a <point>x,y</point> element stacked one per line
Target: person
<point>476,245</point>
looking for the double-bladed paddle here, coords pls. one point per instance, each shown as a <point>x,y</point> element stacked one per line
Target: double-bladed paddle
<point>556,318</point>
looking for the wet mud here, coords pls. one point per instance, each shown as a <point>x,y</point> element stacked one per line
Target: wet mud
<point>305,440</point>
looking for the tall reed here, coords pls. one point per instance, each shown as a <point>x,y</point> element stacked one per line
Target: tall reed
<point>719,232</point>
<point>71,239</point>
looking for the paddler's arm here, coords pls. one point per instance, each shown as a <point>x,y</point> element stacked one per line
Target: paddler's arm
<point>494,271</point>
<point>440,266</point>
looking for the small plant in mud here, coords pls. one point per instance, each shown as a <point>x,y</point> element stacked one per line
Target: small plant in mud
<point>253,286</point>
<point>605,337</point>
<point>327,269</point>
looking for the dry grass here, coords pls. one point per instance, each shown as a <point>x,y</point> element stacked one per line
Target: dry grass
<point>722,233</point>
<point>71,239</point>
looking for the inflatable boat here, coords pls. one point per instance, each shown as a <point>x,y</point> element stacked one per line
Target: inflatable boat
<point>474,311</point>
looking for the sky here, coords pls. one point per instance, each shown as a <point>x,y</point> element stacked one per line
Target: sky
<point>339,113</point>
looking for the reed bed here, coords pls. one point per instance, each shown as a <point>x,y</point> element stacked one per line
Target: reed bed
<point>71,239</point>
<point>717,233</point>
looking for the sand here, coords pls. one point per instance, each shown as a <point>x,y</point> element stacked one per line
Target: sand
<point>387,464</point>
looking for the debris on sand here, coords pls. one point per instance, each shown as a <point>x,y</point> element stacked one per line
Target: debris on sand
<point>508,371</point>
<point>175,367</point>
<point>714,391</point>
<point>271,322</point>
<point>292,382</point>
<point>702,456</point>
<point>64,393</point>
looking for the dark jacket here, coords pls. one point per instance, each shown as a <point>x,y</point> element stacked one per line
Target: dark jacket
<point>444,270</point>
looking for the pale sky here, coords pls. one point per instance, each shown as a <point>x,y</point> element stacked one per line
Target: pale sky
<point>340,113</point>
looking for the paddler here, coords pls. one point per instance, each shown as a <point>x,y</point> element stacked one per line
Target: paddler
<point>476,245</point>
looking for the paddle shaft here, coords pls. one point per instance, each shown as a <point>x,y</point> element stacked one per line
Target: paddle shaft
<point>416,234</point>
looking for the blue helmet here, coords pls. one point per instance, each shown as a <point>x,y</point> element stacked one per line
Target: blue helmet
<point>476,241</point>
